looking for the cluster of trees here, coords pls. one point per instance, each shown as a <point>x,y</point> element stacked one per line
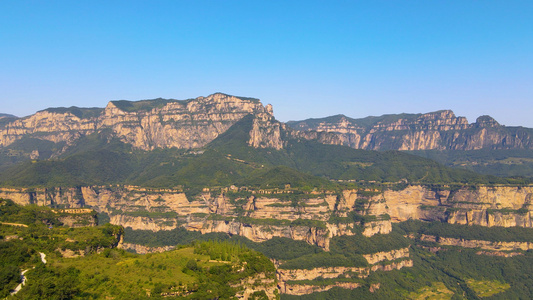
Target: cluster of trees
<point>13,255</point>
<point>111,273</point>
<point>468,232</point>
<point>45,231</point>
<point>504,163</point>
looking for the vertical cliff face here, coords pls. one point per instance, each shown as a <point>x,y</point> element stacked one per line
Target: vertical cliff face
<point>47,125</point>
<point>440,130</point>
<point>266,132</point>
<point>146,124</point>
<point>180,124</point>
<point>263,216</point>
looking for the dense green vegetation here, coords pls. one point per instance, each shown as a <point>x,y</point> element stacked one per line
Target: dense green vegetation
<point>503,163</point>
<point>208,266</point>
<point>203,270</point>
<point>359,244</point>
<point>27,230</point>
<point>276,248</point>
<point>44,231</point>
<point>80,112</point>
<point>468,232</point>
<point>362,122</point>
<point>452,273</point>
<point>14,255</point>
<point>142,105</point>
<point>456,272</point>
<point>20,150</point>
<point>454,268</point>
<point>280,176</point>
<point>344,251</point>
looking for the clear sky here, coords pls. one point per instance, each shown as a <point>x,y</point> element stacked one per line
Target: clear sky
<point>308,59</point>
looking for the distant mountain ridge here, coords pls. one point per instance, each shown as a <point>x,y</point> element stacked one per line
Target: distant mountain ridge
<point>6,116</point>
<point>440,130</point>
<point>145,124</point>
<point>194,123</point>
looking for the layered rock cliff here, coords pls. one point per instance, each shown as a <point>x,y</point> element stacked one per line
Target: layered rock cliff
<point>193,123</point>
<point>297,281</point>
<point>316,218</point>
<point>146,125</point>
<point>485,245</point>
<point>440,130</point>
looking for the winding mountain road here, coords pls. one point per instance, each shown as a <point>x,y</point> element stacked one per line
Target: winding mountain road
<point>23,277</point>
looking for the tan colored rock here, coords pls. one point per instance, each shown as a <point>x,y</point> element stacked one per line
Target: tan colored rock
<point>485,245</point>
<point>304,289</point>
<point>377,227</point>
<point>143,223</point>
<point>141,249</point>
<point>439,130</point>
<point>285,275</point>
<point>374,258</point>
<point>180,124</point>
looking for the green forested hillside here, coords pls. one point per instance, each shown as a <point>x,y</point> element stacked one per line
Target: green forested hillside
<point>503,163</point>
<point>201,270</point>
<point>99,159</point>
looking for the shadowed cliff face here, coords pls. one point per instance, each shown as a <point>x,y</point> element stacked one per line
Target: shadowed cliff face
<point>440,130</point>
<point>146,124</point>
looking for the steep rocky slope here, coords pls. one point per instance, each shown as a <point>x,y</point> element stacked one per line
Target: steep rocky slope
<point>440,130</point>
<point>147,124</point>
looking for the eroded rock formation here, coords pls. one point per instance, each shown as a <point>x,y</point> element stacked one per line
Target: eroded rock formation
<point>145,124</point>
<point>440,130</point>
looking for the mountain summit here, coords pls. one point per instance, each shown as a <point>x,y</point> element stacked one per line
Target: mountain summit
<point>145,124</point>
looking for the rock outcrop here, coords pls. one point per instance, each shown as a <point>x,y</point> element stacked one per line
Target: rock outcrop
<point>141,249</point>
<point>375,258</point>
<point>440,130</point>
<point>304,289</point>
<point>485,245</point>
<point>147,124</point>
<point>296,281</point>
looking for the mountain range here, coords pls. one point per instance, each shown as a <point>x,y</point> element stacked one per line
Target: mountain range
<point>341,206</point>
<point>164,124</point>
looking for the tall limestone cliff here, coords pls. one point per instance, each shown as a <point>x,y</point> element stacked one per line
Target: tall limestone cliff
<point>146,124</point>
<point>263,214</point>
<point>440,130</point>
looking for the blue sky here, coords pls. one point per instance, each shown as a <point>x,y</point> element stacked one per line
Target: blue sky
<point>307,58</point>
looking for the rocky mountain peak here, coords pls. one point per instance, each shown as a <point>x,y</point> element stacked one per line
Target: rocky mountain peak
<point>486,121</point>
<point>145,124</point>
